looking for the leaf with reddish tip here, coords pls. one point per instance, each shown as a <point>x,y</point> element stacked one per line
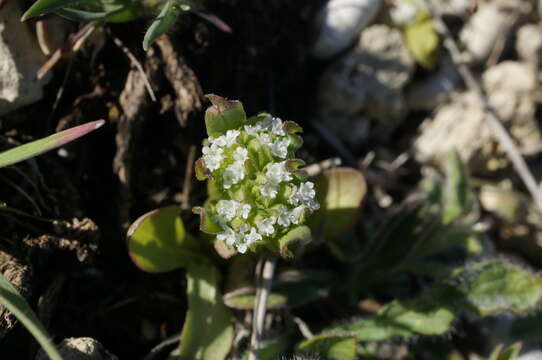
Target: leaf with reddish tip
<point>293,240</point>
<point>41,146</point>
<point>296,142</point>
<point>223,115</point>
<point>202,172</point>
<point>340,192</point>
<point>158,242</point>
<point>291,127</point>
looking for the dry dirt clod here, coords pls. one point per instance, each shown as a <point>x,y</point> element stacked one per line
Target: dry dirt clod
<point>83,348</point>
<point>20,60</point>
<point>367,83</point>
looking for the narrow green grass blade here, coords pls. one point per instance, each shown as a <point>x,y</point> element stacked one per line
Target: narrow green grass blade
<point>14,302</point>
<point>82,15</point>
<point>161,24</point>
<point>41,146</point>
<point>41,7</point>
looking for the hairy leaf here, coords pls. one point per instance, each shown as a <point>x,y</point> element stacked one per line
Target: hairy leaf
<point>207,332</point>
<point>158,242</point>
<point>14,302</point>
<point>330,346</point>
<point>41,146</point>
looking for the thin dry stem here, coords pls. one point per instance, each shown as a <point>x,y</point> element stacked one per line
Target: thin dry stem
<point>264,282</point>
<point>491,118</point>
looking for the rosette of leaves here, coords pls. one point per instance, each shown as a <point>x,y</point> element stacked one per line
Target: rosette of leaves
<point>116,11</point>
<point>260,195</point>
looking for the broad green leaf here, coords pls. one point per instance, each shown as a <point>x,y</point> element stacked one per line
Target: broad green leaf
<point>427,315</point>
<point>511,353</point>
<point>494,286</point>
<point>330,346</point>
<point>422,40</point>
<point>207,332</point>
<point>41,146</point>
<point>41,7</point>
<point>17,305</point>
<point>294,240</point>
<point>206,224</point>
<point>158,242</point>
<point>223,115</point>
<point>340,192</point>
<point>163,22</point>
<point>289,290</point>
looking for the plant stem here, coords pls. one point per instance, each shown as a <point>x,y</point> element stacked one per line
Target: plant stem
<point>264,277</point>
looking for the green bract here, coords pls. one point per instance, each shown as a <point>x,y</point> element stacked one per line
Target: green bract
<point>261,196</point>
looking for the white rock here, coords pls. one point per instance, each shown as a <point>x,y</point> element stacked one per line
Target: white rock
<point>339,22</point>
<point>460,125</point>
<point>20,59</point>
<point>84,348</point>
<point>529,43</point>
<point>487,26</point>
<point>456,7</point>
<point>367,82</point>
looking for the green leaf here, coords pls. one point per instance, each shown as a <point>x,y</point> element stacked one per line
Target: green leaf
<point>41,7</point>
<point>206,225</point>
<point>158,242</point>
<point>83,15</point>
<point>17,305</point>
<point>271,349</point>
<point>223,115</point>
<point>511,353</point>
<point>207,332</point>
<point>289,290</point>
<point>41,146</point>
<point>294,240</point>
<point>340,192</point>
<point>458,199</point>
<point>494,286</point>
<point>161,24</point>
<point>330,346</point>
<point>422,40</point>
<point>427,315</point>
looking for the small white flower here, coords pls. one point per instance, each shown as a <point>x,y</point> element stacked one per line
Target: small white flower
<point>295,214</point>
<point>233,174</point>
<point>313,205</point>
<point>226,209</point>
<point>276,173</point>
<point>252,236</point>
<point>303,195</point>
<point>231,136</point>
<point>240,154</point>
<point>280,147</point>
<point>228,236</point>
<point>276,127</point>
<point>252,130</point>
<point>244,228</point>
<point>283,218</point>
<point>244,211</point>
<point>219,141</point>
<point>265,226</point>
<point>212,156</point>
<point>242,248</point>
<point>265,139</point>
<point>269,190</point>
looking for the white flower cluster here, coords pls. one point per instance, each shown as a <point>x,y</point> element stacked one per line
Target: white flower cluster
<point>280,200</point>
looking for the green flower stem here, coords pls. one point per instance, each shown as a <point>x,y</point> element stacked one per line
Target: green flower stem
<point>264,277</point>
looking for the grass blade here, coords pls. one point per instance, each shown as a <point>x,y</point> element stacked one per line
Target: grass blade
<point>41,146</point>
<point>41,7</point>
<point>14,302</point>
<point>161,24</point>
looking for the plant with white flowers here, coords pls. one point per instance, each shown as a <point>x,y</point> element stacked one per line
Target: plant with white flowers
<point>259,195</point>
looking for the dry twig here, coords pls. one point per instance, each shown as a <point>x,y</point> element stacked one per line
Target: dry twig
<point>491,118</point>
